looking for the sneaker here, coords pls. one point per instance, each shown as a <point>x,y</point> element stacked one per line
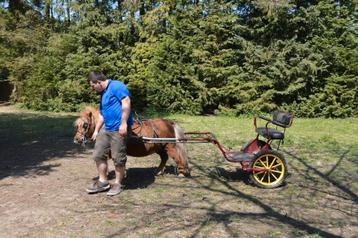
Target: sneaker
<point>116,188</point>
<point>97,186</point>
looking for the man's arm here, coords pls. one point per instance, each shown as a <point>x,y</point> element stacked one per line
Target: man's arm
<point>126,109</point>
<point>99,124</point>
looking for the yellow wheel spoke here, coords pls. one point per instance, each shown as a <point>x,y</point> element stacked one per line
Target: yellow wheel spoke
<point>259,167</point>
<point>276,171</point>
<point>268,175</point>
<point>274,159</point>
<point>276,165</point>
<point>274,176</point>
<point>257,173</point>
<point>263,176</point>
<point>267,161</point>
<point>262,163</point>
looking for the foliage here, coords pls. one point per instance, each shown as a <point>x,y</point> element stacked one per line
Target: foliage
<point>198,57</point>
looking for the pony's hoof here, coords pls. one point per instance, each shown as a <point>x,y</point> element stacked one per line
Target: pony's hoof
<point>160,173</point>
<point>180,175</point>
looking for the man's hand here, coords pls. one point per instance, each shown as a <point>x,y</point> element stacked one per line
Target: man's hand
<point>123,129</point>
<point>99,125</point>
<point>94,135</point>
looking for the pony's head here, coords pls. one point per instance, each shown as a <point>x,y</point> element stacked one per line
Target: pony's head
<point>84,126</point>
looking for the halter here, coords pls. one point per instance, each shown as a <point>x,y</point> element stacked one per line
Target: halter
<point>86,126</point>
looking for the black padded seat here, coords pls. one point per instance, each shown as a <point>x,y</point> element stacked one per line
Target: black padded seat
<point>270,133</point>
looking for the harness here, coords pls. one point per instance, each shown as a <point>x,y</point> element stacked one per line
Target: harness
<point>140,125</point>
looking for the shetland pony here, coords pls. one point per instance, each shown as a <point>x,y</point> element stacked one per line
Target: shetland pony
<point>153,128</point>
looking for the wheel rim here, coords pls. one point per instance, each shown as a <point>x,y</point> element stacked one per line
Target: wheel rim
<point>273,169</point>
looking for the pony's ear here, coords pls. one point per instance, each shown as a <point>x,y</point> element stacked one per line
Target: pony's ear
<point>89,114</point>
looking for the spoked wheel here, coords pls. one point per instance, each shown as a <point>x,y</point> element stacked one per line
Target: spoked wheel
<point>269,169</point>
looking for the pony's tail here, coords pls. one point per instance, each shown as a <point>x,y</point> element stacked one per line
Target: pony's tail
<point>181,149</point>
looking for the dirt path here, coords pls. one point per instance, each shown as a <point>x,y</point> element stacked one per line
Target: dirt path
<point>43,176</point>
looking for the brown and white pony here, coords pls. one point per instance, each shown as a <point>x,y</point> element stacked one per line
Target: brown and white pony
<point>154,128</point>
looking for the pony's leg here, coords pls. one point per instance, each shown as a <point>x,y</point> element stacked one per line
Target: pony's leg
<point>163,160</point>
<point>181,165</point>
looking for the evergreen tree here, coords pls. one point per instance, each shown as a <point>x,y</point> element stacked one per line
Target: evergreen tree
<point>185,56</point>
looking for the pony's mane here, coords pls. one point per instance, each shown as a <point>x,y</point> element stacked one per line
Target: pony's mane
<point>88,110</point>
<point>85,114</point>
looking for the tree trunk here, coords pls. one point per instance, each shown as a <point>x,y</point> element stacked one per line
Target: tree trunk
<point>119,5</point>
<point>47,9</point>
<point>68,10</point>
<point>16,5</point>
<point>142,8</point>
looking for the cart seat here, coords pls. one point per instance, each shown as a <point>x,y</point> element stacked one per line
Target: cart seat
<point>279,119</point>
<point>239,156</point>
<point>270,133</point>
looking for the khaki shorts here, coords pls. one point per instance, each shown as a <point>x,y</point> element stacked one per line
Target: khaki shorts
<point>111,141</point>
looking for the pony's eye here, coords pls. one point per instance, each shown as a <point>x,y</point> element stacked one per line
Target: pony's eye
<point>85,125</point>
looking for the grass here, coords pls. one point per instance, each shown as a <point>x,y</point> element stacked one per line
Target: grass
<point>30,126</point>
<point>319,198</point>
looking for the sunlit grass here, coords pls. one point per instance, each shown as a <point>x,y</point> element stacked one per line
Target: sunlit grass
<point>316,136</point>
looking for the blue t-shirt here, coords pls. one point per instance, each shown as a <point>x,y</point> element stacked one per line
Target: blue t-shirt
<point>111,105</point>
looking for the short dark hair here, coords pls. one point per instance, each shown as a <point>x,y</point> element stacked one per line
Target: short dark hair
<point>96,76</point>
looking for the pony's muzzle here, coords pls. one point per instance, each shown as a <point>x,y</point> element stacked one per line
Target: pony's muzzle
<point>81,141</point>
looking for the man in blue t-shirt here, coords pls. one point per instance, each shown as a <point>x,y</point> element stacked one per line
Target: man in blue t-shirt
<point>115,106</point>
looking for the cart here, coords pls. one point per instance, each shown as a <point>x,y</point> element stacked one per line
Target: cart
<point>266,165</point>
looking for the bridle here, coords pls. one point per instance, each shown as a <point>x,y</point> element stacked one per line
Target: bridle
<point>83,135</point>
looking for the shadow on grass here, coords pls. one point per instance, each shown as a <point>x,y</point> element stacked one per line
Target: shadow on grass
<point>326,177</point>
<point>220,217</point>
<point>269,211</point>
<point>139,178</point>
<point>29,139</point>
<point>235,175</point>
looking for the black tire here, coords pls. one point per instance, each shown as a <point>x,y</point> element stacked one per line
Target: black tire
<point>276,165</point>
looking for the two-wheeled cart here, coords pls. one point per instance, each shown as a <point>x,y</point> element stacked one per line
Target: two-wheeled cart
<point>266,166</point>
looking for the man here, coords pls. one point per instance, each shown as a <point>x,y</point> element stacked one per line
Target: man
<point>115,106</point>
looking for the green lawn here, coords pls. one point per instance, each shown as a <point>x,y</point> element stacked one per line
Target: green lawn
<point>328,145</point>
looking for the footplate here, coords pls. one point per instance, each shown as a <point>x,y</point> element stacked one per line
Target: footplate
<point>239,156</point>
